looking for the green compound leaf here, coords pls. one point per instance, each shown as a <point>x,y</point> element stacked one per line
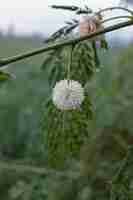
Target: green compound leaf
<point>83,62</point>
<point>82,67</point>
<point>4,76</point>
<point>104,44</point>
<point>65,132</point>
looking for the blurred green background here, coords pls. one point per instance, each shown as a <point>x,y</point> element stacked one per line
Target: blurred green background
<point>21,108</point>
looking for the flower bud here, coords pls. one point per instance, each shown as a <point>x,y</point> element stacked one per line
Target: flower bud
<point>90,24</point>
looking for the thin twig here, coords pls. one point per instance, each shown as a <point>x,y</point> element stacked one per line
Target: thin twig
<point>29,169</point>
<point>117,17</point>
<point>123,165</point>
<point>78,10</point>
<point>120,172</point>
<point>115,8</point>
<point>85,11</point>
<point>19,57</point>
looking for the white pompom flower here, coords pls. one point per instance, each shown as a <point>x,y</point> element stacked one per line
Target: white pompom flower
<point>68,95</point>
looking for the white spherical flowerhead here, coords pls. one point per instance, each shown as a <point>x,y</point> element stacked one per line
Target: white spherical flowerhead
<point>68,95</point>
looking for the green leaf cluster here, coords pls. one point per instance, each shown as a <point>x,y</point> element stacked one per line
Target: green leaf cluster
<point>66,131</point>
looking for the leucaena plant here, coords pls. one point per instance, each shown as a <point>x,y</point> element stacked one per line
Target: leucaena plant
<point>69,111</point>
<point>67,114</point>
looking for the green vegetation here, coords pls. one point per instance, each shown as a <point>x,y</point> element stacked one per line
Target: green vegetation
<point>21,100</point>
<point>94,175</point>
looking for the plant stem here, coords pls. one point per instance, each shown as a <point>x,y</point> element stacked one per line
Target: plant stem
<point>118,17</point>
<point>30,169</point>
<point>19,57</point>
<point>85,11</point>
<point>123,166</point>
<point>115,8</point>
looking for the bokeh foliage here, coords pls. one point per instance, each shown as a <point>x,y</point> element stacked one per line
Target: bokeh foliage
<point>110,133</point>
